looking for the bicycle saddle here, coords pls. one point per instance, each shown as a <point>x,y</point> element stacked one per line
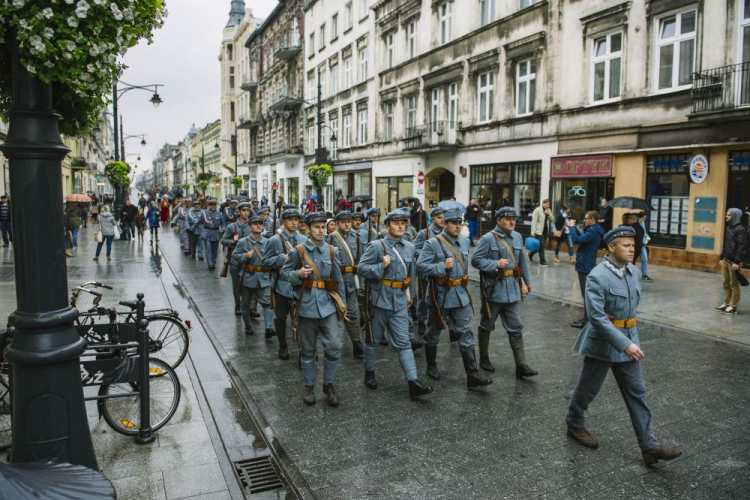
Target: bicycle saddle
<point>129,303</point>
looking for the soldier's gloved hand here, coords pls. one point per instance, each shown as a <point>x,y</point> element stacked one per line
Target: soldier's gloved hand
<point>304,272</point>
<point>502,263</point>
<point>448,264</point>
<point>634,352</point>
<point>250,254</point>
<point>386,261</point>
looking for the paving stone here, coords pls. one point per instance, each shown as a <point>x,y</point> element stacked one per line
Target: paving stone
<point>192,481</point>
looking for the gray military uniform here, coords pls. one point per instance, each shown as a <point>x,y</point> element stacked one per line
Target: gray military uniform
<point>349,271</point>
<point>256,280</point>
<point>242,229</point>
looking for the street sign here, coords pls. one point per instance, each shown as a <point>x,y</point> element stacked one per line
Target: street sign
<point>420,178</point>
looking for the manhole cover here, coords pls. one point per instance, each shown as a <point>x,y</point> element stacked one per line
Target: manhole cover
<point>258,474</point>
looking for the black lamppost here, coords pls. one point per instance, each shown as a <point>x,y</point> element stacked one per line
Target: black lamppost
<point>49,413</point>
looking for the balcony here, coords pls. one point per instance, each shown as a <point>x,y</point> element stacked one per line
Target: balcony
<point>290,51</point>
<point>721,92</point>
<point>249,122</point>
<point>432,136</point>
<point>249,83</point>
<point>281,152</point>
<point>282,101</point>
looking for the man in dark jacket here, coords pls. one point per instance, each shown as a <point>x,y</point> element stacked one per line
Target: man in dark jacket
<point>639,234</point>
<point>418,217</point>
<point>732,255</point>
<point>605,215</point>
<point>6,227</point>
<point>588,244</point>
<point>472,218</point>
<point>129,213</point>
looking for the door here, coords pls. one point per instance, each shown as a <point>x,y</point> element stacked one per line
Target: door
<point>738,196</point>
<point>435,117</point>
<point>452,112</point>
<point>447,185</point>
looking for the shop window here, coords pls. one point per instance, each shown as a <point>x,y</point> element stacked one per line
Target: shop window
<point>675,50</point>
<point>668,194</point>
<point>293,183</point>
<point>510,184</point>
<point>580,194</point>
<point>389,190</point>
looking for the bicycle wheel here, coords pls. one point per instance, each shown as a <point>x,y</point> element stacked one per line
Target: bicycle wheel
<point>5,427</point>
<point>123,414</point>
<point>169,339</point>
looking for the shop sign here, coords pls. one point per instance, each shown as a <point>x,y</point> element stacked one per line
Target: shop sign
<point>582,166</point>
<point>698,169</point>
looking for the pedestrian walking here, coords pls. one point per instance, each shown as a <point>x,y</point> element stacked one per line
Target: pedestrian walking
<point>640,232</point>
<point>644,248</point>
<point>588,245</point>
<point>606,214</point>
<point>311,207</point>
<point>563,221</point>
<point>253,281</point>
<point>94,210</point>
<point>541,228</point>
<point>472,218</point>
<point>107,227</point>
<point>610,341</point>
<point>153,216</point>
<point>504,280</point>
<point>233,233</point>
<point>389,267</point>
<point>195,244</point>
<point>732,255</point>
<point>418,216</point>
<point>6,223</point>
<point>127,219</point>
<point>66,235</point>
<point>73,211</point>
<point>140,224</point>
<point>444,260</point>
<point>164,210</point>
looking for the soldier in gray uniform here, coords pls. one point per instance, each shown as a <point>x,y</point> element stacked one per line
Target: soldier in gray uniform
<point>610,341</point>
<point>277,250</point>
<point>502,263</point>
<point>444,261</point>
<point>234,232</point>
<point>370,229</point>
<point>194,237</point>
<point>256,282</point>
<point>313,268</point>
<point>264,213</point>
<point>350,250</point>
<point>388,264</point>
<point>230,213</point>
<point>211,225</point>
<point>425,234</point>
<point>179,219</point>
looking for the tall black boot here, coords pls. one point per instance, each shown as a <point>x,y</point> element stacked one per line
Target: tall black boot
<point>281,333</point>
<point>472,374</point>
<point>431,356</point>
<point>484,345</point>
<point>519,354</point>
<point>416,389</point>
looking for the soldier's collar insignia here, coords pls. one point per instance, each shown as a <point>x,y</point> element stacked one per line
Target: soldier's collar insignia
<point>619,271</point>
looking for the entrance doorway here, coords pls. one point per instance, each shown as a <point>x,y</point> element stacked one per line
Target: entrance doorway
<point>738,196</point>
<point>441,185</point>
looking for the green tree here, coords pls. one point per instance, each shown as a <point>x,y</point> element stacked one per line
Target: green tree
<point>203,185</point>
<point>319,175</point>
<point>117,174</point>
<point>237,182</point>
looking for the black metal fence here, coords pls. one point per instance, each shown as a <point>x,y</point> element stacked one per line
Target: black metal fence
<point>441,133</point>
<point>721,89</point>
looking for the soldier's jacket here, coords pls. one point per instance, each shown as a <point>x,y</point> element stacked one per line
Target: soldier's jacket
<point>371,268</point>
<point>237,227</point>
<point>424,235</point>
<point>410,234</point>
<point>255,279</point>
<point>316,303</point>
<point>179,217</point>
<point>268,227</point>
<point>274,258</point>
<point>368,232</point>
<point>485,260</point>
<point>610,291</point>
<point>192,217</point>
<point>229,215</point>
<point>431,264</point>
<point>210,224</point>
<point>356,249</point>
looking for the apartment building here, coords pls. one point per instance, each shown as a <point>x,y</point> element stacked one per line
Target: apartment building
<point>206,159</point>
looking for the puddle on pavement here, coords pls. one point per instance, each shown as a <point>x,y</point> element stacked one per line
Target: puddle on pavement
<point>243,419</point>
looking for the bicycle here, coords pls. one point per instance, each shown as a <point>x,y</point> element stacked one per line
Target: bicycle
<point>169,335</point>
<point>5,415</point>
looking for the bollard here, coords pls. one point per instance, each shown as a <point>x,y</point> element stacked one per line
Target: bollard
<point>145,435</point>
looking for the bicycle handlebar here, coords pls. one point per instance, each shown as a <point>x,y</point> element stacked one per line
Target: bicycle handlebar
<point>96,284</point>
<point>96,294</point>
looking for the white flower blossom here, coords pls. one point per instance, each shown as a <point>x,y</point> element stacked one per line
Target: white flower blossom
<point>128,13</point>
<point>69,2</point>
<point>116,12</point>
<point>48,32</point>
<point>72,22</point>
<point>47,13</point>
<point>30,68</point>
<point>49,64</point>
<point>99,2</point>
<point>18,4</point>
<point>69,45</point>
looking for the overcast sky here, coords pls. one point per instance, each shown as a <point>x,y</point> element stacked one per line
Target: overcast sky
<point>183,57</point>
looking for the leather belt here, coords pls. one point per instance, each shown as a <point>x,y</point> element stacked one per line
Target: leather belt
<point>348,269</point>
<point>453,282</point>
<point>398,285</point>
<point>622,323</point>
<point>330,285</point>
<point>505,274</point>
<point>253,269</point>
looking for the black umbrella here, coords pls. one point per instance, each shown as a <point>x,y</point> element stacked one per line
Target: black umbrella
<point>407,199</point>
<point>53,481</point>
<point>630,202</point>
<point>359,198</point>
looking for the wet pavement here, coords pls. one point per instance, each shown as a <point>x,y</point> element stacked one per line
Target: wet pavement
<point>507,441</point>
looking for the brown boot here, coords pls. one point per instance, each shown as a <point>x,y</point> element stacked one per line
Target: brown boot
<point>331,397</point>
<point>660,453</point>
<point>584,437</point>
<point>309,395</point>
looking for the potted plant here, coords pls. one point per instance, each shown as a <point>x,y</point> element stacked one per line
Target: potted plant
<point>319,175</point>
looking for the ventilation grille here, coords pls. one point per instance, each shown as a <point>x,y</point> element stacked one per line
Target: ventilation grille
<point>258,475</point>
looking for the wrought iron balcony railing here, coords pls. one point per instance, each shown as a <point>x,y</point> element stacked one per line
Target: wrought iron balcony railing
<point>440,133</point>
<point>721,89</point>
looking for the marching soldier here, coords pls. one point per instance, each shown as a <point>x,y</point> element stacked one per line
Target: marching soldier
<point>254,208</point>
<point>444,260</point>
<point>422,236</point>
<point>313,266</point>
<point>256,281</point>
<point>264,213</point>
<point>370,229</point>
<point>179,219</point>
<point>230,213</point>
<point>350,251</point>
<point>277,250</point>
<point>357,225</point>
<point>610,341</point>
<point>233,233</point>
<point>388,265</point>
<point>502,265</point>
<point>210,226</point>
<point>195,243</point>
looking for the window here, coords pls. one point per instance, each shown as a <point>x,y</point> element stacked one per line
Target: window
<point>389,121</point>
<point>311,139</point>
<point>668,193</point>
<point>347,72</point>
<point>349,15</point>
<point>363,65</point>
<point>411,116</point>
<point>411,38</point>
<point>744,93</point>
<point>231,111</point>
<point>362,133</point>
<point>347,139</point>
<point>528,3</point>
<point>230,52</point>
<point>445,22</point>
<point>322,77</point>
<point>311,51</point>
<point>334,131</point>
<point>389,38</point>
<point>525,87</point>
<point>606,70</point>
<point>310,85</point>
<point>363,10</point>
<point>486,11</point>
<point>334,79</point>
<point>231,77</point>
<point>485,87</point>
<point>675,48</point>
<point>334,27</point>
<point>322,36</point>
<point>509,184</point>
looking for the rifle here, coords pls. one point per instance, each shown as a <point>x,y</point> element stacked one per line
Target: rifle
<point>228,259</point>
<point>366,311</point>
<point>439,321</point>
<point>296,306</point>
<point>486,313</point>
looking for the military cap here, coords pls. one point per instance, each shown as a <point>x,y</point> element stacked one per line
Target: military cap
<point>290,212</point>
<point>453,215</point>
<point>263,210</point>
<point>505,212</point>
<point>372,211</point>
<point>287,206</point>
<point>254,201</point>
<point>242,205</point>
<point>234,200</point>
<point>437,211</point>
<point>619,232</point>
<point>186,200</point>
<point>396,215</point>
<point>357,215</point>
<point>315,217</point>
<point>212,201</point>
<point>343,215</point>
<point>197,203</point>
<point>255,219</point>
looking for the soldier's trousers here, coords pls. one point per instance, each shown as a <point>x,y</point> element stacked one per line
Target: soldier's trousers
<point>328,330</point>
<point>184,245</point>
<point>281,313</point>
<point>458,320</point>
<point>510,315</point>
<point>195,244</point>
<point>629,378</point>
<point>397,323</point>
<point>234,273</point>
<point>352,314</point>
<point>211,249</point>
<point>263,296</point>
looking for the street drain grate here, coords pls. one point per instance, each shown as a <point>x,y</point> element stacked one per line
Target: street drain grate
<point>258,474</point>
